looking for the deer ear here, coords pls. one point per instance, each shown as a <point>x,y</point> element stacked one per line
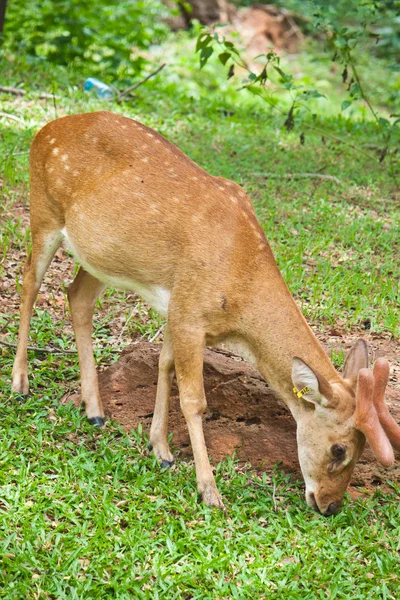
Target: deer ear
<point>366,419</point>
<point>356,360</point>
<point>304,377</point>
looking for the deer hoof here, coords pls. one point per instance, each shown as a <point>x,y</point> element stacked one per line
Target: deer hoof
<point>149,447</point>
<point>21,397</point>
<point>211,497</point>
<point>20,384</point>
<point>167,464</point>
<point>97,421</point>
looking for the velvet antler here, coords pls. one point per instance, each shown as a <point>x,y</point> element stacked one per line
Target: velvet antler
<point>367,420</point>
<point>390,427</point>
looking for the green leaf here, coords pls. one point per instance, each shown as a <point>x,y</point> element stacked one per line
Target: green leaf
<point>346,104</point>
<point>205,55</point>
<point>285,76</point>
<point>263,76</point>
<point>308,94</point>
<point>289,122</point>
<point>383,122</point>
<point>255,90</point>
<point>231,47</point>
<point>202,41</point>
<point>340,43</point>
<point>355,90</point>
<point>314,94</point>
<point>231,71</point>
<point>224,57</point>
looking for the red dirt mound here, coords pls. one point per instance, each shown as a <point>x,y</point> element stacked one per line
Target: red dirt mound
<point>243,415</point>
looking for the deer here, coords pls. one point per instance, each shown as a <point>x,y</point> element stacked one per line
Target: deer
<point>138,214</point>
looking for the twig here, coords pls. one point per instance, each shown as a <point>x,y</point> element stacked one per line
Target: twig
<point>241,63</point>
<point>373,147</point>
<point>328,134</point>
<point>299,176</point>
<point>136,85</point>
<point>274,498</point>
<point>36,349</point>
<point>13,117</point>
<point>133,311</point>
<point>155,336</point>
<point>55,106</point>
<point>19,92</point>
<point>5,326</point>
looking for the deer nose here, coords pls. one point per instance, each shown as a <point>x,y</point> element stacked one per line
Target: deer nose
<point>333,508</point>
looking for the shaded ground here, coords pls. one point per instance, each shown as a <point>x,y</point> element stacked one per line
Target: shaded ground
<point>243,415</point>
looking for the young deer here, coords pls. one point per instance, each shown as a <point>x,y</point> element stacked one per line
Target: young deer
<point>138,214</point>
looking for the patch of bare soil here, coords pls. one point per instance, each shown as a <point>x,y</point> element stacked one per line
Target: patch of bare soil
<point>243,414</point>
<point>261,26</point>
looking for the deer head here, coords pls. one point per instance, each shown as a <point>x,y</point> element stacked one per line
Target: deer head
<point>337,419</point>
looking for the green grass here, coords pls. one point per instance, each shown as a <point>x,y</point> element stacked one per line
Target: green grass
<point>89,514</point>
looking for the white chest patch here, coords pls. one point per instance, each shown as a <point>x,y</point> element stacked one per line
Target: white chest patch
<point>157,296</point>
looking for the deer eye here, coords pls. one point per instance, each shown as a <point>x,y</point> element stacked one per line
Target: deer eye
<point>338,451</point>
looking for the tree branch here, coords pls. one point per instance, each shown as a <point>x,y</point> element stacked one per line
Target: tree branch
<point>299,176</point>
<point>36,349</point>
<point>138,83</point>
<point>18,92</point>
<point>4,115</point>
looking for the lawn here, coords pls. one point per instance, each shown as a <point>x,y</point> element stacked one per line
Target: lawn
<point>89,514</point>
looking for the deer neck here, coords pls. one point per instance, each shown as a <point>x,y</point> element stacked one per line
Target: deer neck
<point>275,332</point>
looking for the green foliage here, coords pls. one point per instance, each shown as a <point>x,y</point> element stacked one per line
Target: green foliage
<point>88,514</point>
<point>103,36</point>
<point>342,44</point>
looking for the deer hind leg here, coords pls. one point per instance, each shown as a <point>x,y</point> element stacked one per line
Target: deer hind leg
<point>159,424</point>
<point>188,353</point>
<point>82,295</point>
<point>44,247</point>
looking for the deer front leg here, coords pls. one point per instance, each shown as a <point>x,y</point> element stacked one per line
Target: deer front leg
<point>82,295</point>
<point>188,353</point>
<point>159,424</point>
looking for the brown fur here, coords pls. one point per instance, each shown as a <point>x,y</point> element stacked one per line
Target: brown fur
<point>138,211</point>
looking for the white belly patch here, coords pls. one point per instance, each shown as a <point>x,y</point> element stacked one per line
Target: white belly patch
<point>157,296</point>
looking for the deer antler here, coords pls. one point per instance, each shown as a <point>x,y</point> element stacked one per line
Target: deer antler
<point>366,415</point>
<point>390,427</point>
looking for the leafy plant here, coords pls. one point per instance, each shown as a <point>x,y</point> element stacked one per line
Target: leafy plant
<point>106,35</point>
<point>270,80</point>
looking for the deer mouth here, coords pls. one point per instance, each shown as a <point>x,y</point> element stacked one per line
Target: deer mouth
<point>332,509</point>
<point>311,501</point>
